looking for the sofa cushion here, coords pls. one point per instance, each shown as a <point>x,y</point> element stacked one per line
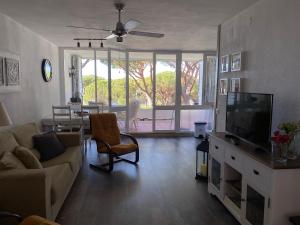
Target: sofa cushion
<point>72,156</point>
<point>24,134</point>
<point>61,178</point>
<point>9,161</point>
<point>7,142</point>
<point>48,145</point>
<point>27,158</point>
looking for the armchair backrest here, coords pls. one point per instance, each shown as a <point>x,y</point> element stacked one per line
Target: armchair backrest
<point>104,127</point>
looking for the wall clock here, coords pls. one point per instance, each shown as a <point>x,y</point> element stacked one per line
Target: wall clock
<point>46,70</point>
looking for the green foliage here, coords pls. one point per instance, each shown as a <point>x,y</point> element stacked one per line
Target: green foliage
<point>165,89</point>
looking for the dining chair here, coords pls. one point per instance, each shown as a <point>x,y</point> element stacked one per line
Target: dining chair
<point>62,119</point>
<point>86,111</point>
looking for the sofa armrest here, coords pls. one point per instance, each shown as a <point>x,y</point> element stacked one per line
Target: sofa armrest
<point>26,192</point>
<point>70,139</point>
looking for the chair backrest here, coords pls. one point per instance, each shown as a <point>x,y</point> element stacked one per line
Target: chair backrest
<point>104,127</point>
<point>133,109</point>
<point>99,104</point>
<point>90,109</point>
<point>61,113</point>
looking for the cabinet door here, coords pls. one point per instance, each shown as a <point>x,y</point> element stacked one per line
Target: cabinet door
<point>256,206</point>
<point>215,176</point>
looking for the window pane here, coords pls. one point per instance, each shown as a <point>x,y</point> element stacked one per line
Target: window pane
<point>191,79</point>
<point>102,77</point>
<point>165,80</point>
<point>211,75</point>
<point>118,78</point>
<point>165,119</point>
<point>189,117</point>
<point>88,76</point>
<point>140,91</point>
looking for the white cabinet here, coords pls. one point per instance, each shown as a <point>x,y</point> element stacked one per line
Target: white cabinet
<point>251,187</point>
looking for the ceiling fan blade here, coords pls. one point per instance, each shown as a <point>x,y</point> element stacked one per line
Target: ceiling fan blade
<point>146,34</point>
<point>131,24</point>
<point>88,28</point>
<point>110,36</point>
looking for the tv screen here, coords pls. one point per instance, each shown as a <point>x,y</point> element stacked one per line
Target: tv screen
<point>249,117</point>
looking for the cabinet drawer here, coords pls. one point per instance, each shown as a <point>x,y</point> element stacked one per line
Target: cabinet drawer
<point>216,149</point>
<point>234,159</point>
<point>258,174</point>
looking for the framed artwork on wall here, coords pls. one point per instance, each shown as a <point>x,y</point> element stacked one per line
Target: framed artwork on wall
<point>10,79</point>
<point>225,64</point>
<point>1,71</point>
<point>236,61</point>
<point>223,86</point>
<point>235,84</point>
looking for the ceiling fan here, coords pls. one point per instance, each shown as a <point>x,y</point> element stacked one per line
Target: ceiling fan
<point>121,29</point>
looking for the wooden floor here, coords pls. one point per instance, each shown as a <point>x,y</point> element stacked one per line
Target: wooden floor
<point>161,190</point>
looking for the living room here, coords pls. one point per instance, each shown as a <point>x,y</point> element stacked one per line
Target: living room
<point>262,33</point>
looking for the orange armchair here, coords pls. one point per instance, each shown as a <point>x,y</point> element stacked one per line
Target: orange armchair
<point>30,220</point>
<point>106,133</point>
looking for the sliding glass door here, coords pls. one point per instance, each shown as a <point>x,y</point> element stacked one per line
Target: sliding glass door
<point>148,91</point>
<point>140,108</point>
<point>165,92</point>
<point>118,87</point>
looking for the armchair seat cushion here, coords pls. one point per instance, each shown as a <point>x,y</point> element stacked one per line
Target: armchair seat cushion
<point>121,149</point>
<point>37,220</point>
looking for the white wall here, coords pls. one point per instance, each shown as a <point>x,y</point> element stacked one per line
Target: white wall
<point>269,34</point>
<point>36,98</point>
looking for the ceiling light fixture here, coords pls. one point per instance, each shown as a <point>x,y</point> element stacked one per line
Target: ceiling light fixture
<point>78,44</point>
<point>101,44</point>
<point>90,44</point>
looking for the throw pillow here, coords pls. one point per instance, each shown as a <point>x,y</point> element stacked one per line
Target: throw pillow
<point>48,145</point>
<point>27,158</point>
<point>9,161</point>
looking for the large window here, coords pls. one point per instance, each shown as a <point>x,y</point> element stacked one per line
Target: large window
<point>191,79</point>
<point>140,73</point>
<point>148,91</point>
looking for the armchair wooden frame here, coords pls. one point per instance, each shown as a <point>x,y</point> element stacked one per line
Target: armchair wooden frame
<point>109,166</point>
<point>5,214</point>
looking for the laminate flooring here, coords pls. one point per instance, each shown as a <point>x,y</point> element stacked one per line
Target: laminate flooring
<point>161,190</point>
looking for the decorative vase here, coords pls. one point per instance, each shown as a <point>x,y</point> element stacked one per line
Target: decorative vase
<point>279,152</point>
<point>292,153</point>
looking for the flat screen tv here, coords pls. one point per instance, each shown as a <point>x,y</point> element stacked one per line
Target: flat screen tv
<point>249,117</point>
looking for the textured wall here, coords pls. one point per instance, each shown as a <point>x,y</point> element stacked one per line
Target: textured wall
<point>36,98</point>
<point>268,32</point>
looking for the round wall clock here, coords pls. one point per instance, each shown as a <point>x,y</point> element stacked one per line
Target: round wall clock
<point>46,70</point>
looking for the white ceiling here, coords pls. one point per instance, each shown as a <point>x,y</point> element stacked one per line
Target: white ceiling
<point>187,24</point>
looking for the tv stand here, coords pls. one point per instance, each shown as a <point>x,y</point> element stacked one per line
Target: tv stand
<point>233,139</point>
<point>255,189</point>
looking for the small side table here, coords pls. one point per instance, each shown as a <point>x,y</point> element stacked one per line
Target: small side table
<point>204,148</point>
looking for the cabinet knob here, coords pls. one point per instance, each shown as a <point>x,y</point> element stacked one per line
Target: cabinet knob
<point>232,157</point>
<point>255,172</point>
<point>216,147</point>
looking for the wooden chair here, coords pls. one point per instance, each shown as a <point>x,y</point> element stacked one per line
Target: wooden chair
<point>30,220</point>
<point>106,133</point>
<point>62,118</point>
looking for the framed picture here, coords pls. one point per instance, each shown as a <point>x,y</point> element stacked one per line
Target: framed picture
<point>223,86</point>
<point>10,79</point>
<point>235,84</point>
<point>1,71</point>
<point>236,61</point>
<point>225,64</point>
